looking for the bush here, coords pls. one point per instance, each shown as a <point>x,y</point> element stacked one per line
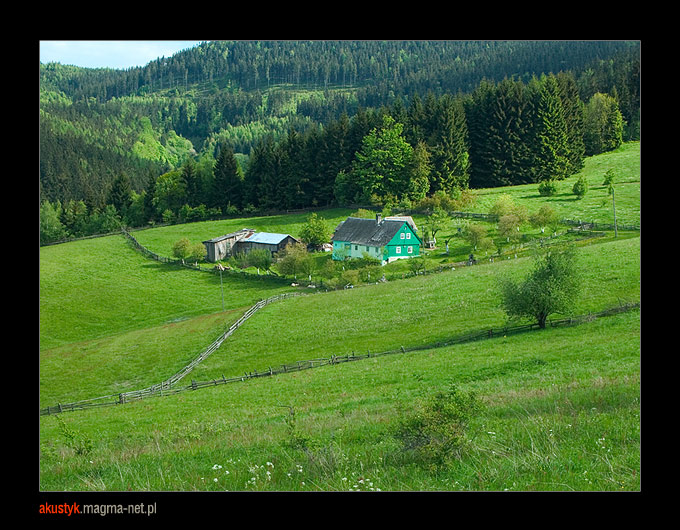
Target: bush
<point>436,433</point>
<point>547,188</point>
<point>580,187</point>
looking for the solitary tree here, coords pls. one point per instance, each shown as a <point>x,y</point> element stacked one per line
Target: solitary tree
<point>552,287</point>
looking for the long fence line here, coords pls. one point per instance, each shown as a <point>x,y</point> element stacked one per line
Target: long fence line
<point>171,381</point>
<point>161,390</point>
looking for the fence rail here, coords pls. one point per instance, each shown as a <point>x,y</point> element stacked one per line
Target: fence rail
<point>160,389</point>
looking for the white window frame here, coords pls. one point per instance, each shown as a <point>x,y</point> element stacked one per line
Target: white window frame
<point>403,235</point>
<point>410,250</point>
<point>398,249</point>
<point>408,235</point>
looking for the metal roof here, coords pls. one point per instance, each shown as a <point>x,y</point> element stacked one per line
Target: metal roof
<point>241,233</point>
<point>267,238</point>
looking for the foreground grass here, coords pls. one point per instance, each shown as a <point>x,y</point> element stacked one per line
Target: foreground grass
<point>562,412</point>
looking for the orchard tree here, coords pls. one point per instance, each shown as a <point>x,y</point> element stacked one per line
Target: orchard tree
<point>553,286</point>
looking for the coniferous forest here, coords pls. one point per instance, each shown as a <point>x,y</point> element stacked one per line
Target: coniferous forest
<point>232,128</point>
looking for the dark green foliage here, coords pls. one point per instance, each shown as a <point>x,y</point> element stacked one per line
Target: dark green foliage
<point>297,147</point>
<point>227,185</point>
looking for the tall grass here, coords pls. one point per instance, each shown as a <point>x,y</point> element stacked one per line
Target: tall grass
<point>556,417</point>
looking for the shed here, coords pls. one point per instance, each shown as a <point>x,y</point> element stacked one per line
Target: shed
<point>265,240</point>
<point>223,246</point>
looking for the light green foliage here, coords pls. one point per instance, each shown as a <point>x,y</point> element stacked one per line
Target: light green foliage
<point>547,188</point>
<point>182,249</point>
<point>316,231</point>
<point>580,187</point>
<point>436,432</point>
<point>602,124</point>
<point>545,216</point>
<point>382,166</point>
<point>294,260</point>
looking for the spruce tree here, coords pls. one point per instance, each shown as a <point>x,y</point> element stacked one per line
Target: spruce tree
<point>573,117</point>
<point>550,147</point>
<point>227,186</point>
<point>448,146</point>
<point>478,108</point>
<point>192,184</point>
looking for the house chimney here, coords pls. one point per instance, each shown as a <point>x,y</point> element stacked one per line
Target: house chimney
<point>378,218</point>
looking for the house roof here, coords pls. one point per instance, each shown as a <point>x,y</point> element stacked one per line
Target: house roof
<point>367,231</point>
<point>267,238</point>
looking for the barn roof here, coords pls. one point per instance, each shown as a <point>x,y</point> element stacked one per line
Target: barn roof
<point>367,231</point>
<point>241,232</point>
<point>267,238</point>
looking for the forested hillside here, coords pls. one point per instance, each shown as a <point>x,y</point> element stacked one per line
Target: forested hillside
<point>233,127</point>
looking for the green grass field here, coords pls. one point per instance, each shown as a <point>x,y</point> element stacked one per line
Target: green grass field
<point>561,406</point>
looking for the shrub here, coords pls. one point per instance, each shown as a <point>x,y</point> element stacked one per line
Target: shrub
<point>436,432</point>
<point>547,188</point>
<point>580,187</point>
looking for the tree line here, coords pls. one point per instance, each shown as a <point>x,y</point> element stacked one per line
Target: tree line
<point>98,123</point>
<point>501,134</point>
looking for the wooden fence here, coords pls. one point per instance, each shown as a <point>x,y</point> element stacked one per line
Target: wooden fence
<point>161,389</point>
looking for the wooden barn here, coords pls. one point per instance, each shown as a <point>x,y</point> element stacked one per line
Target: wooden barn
<point>222,247</point>
<point>244,241</point>
<point>264,240</point>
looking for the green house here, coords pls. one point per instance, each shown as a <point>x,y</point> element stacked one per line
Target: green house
<point>386,239</point>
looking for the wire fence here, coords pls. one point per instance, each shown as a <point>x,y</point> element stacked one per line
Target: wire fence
<point>166,388</point>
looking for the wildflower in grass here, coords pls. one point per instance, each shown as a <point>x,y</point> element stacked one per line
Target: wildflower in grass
<point>217,466</point>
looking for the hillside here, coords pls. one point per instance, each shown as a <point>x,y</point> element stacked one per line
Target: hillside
<point>560,406</point>
<point>96,125</point>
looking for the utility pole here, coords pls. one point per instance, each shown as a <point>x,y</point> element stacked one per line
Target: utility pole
<point>221,268</point>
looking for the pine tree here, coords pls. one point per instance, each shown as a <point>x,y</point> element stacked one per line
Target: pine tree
<point>120,195</point>
<point>550,146</point>
<point>448,146</point>
<point>227,181</point>
<point>573,117</point>
<point>191,180</point>
<point>508,132</point>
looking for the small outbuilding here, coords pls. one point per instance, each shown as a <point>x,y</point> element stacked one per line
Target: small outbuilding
<point>244,241</point>
<point>264,240</point>
<point>222,247</point>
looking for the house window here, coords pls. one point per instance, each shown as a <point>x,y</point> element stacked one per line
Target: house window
<point>398,250</point>
<point>408,235</point>
<point>366,248</point>
<point>356,247</point>
<point>410,250</point>
<point>403,235</point>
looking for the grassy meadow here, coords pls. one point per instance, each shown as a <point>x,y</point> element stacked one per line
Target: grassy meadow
<point>560,407</point>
